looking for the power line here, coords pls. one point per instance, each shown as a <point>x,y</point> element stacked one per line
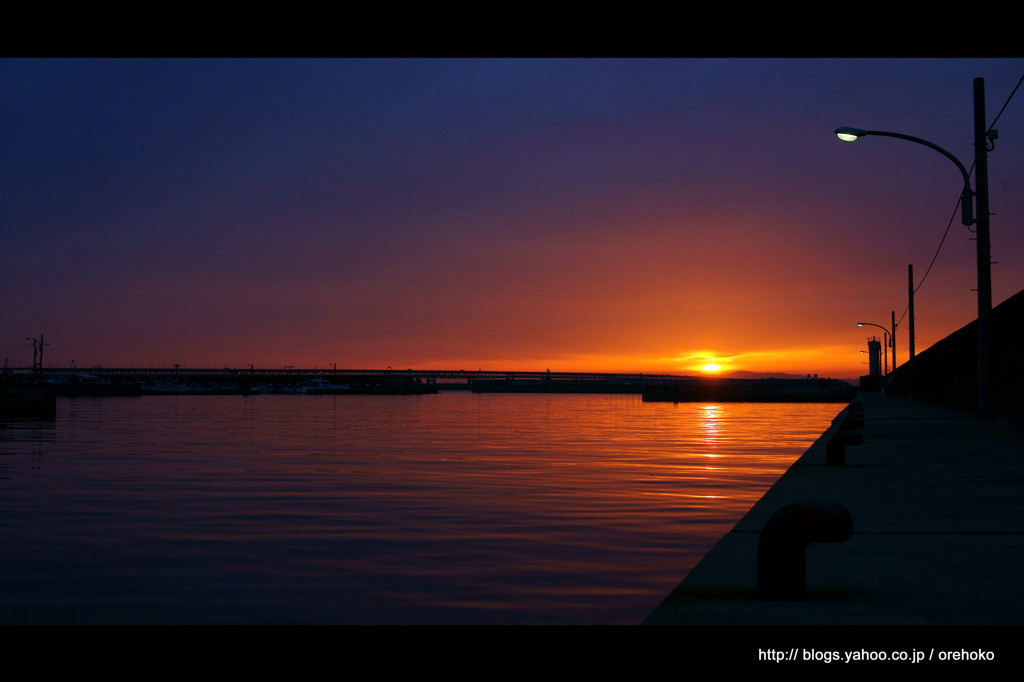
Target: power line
<point>957,207</point>
<point>1005,103</point>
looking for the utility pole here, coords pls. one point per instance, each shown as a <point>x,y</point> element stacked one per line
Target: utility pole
<point>35,353</point>
<point>41,345</point>
<point>892,339</point>
<point>910,312</point>
<point>981,139</point>
<point>37,356</point>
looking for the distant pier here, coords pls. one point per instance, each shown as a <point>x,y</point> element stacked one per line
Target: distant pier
<point>721,390</point>
<point>178,380</point>
<point>128,381</point>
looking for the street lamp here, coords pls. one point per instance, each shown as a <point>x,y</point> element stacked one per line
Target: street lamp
<point>980,196</point>
<point>889,341</point>
<point>847,134</point>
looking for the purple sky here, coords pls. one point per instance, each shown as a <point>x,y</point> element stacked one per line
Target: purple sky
<point>505,214</point>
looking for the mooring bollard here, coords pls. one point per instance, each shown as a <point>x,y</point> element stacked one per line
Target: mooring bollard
<point>854,417</point>
<point>782,549</point>
<point>835,449</point>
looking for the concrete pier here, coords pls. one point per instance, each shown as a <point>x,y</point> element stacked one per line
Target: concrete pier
<point>937,501</point>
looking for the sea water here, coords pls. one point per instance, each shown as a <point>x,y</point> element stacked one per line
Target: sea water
<point>454,508</point>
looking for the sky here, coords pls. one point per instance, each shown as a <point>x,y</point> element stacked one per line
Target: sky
<point>606,215</point>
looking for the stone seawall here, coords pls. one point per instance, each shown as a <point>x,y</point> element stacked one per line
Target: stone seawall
<point>946,374</point>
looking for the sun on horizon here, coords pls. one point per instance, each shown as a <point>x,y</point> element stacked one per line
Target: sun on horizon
<point>705,362</point>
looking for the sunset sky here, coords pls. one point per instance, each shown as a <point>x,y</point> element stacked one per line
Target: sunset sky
<point>591,215</point>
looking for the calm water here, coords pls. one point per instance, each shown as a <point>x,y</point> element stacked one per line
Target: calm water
<point>451,508</point>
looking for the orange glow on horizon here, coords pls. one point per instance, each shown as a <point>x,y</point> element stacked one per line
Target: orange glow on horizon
<point>835,362</point>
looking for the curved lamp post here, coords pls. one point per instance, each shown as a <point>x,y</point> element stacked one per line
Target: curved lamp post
<point>888,342</point>
<point>847,134</point>
<point>980,217</point>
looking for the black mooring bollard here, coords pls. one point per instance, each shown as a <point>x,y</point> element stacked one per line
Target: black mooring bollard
<point>782,549</point>
<point>854,418</point>
<point>835,448</point>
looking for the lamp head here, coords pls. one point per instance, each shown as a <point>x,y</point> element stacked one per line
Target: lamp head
<point>847,134</point>
<point>861,324</point>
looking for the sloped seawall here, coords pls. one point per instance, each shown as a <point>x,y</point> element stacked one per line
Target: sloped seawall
<point>946,373</point>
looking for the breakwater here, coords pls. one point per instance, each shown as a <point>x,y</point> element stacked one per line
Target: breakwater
<point>946,373</point>
<point>752,390</point>
<point>937,522</point>
<point>212,382</point>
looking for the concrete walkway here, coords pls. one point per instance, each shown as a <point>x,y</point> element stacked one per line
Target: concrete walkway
<point>937,500</point>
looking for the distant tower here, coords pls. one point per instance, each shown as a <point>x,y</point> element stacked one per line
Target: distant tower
<point>874,356</point>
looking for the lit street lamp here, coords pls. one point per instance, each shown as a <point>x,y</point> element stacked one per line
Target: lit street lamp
<point>847,134</point>
<point>980,218</point>
<point>889,341</point>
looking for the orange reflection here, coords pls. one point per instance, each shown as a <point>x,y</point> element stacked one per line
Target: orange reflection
<point>709,422</point>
